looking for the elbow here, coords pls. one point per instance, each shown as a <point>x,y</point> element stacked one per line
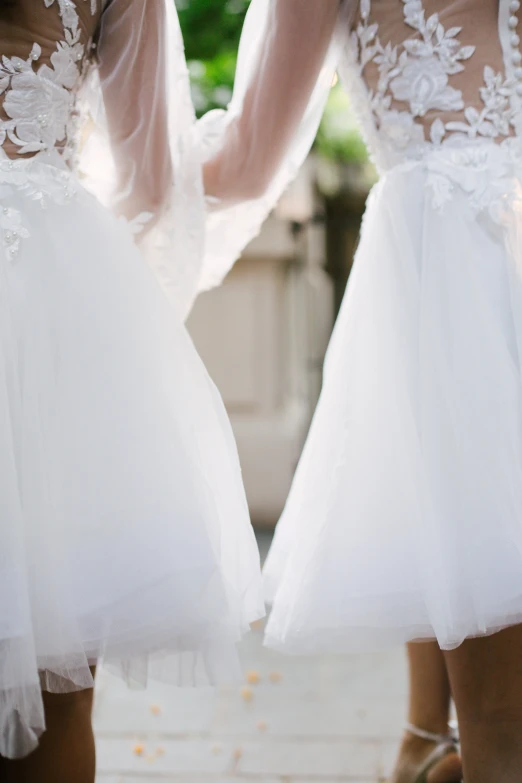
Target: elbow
<point>250,185</point>
<point>256,186</point>
<point>253,177</point>
<point>245,183</point>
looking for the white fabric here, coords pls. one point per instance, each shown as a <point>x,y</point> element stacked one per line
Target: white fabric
<point>124,528</point>
<point>150,171</point>
<point>405,518</point>
<point>139,154</point>
<point>125,533</point>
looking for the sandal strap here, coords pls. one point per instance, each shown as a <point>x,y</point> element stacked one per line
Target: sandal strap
<point>440,739</point>
<point>441,751</point>
<point>454,731</point>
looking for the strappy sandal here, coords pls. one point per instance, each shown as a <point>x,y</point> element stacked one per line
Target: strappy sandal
<point>446,744</point>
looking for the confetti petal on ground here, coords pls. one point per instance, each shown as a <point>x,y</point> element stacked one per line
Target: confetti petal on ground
<point>275,677</point>
<point>138,749</point>
<point>238,753</point>
<point>160,751</point>
<point>262,725</point>
<point>253,677</point>
<point>247,694</point>
<point>155,709</point>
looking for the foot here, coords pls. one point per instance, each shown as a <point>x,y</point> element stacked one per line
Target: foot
<point>413,753</point>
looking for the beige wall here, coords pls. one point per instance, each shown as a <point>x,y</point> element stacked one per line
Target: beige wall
<point>263,336</point>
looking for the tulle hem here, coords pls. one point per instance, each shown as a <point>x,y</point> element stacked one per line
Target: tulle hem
<point>125,536</point>
<point>404,521</point>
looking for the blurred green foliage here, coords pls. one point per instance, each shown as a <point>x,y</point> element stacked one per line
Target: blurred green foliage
<point>211,26</point>
<point>211,29</point>
<point>339,137</point>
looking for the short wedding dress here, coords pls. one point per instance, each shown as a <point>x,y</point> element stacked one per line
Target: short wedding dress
<point>124,530</point>
<point>405,517</point>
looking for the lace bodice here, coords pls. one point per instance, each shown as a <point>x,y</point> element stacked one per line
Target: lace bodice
<point>435,84</point>
<point>38,87</point>
<point>424,73</point>
<point>95,101</point>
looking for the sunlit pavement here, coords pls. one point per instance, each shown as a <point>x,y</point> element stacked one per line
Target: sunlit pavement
<point>295,720</point>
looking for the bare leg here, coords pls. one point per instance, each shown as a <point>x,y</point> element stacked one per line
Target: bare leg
<point>486,678</point>
<point>430,693</point>
<point>429,709</point>
<point>66,750</point>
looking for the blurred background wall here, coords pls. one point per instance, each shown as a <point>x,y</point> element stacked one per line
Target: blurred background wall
<point>264,333</point>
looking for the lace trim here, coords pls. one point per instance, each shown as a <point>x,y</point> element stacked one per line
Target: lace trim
<point>43,182</point>
<point>488,174</point>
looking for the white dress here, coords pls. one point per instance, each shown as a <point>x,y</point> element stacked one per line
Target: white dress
<point>404,521</point>
<point>124,530</point>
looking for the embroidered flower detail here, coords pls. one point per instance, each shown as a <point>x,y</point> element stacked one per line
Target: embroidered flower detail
<point>38,111</point>
<point>401,129</point>
<point>489,176</point>
<point>417,74</point>
<point>68,13</point>
<point>65,69</point>
<point>13,230</point>
<point>39,101</point>
<point>423,83</point>
<point>495,117</point>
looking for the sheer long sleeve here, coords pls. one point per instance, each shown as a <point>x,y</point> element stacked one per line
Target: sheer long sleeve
<point>133,77</point>
<point>141,156</point>
<point>143,152</point>
<point>288,55</point>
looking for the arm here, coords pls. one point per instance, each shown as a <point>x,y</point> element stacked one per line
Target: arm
<point>287,59</point>
<point>141,157</point>
<point>133,78</point>
<point>284,72</point>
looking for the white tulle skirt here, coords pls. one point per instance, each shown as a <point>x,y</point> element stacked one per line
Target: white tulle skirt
<point>124,530</point>
<point>405,518</point>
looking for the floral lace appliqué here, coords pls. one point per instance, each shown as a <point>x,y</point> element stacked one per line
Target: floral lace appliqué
<point>417,73</point>
<point>36,180</point>
<point>489,176</point>
<point>39,100</point>
<point>13,230</point>
<point>39,106</point>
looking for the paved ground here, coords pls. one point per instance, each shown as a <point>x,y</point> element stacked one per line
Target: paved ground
<point>305,721</point>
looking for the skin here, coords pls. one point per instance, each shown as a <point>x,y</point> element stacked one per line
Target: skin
<point>485,678</point>
<point>486,682</point>
<point>66,751</point>
<point>429,709</point>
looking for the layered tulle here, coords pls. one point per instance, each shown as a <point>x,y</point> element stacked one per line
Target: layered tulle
<point>124,532</point>
<point>405,518</point>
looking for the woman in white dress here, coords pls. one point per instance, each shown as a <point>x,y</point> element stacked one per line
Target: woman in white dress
<point>404,522</point>
<point>124,531</point>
